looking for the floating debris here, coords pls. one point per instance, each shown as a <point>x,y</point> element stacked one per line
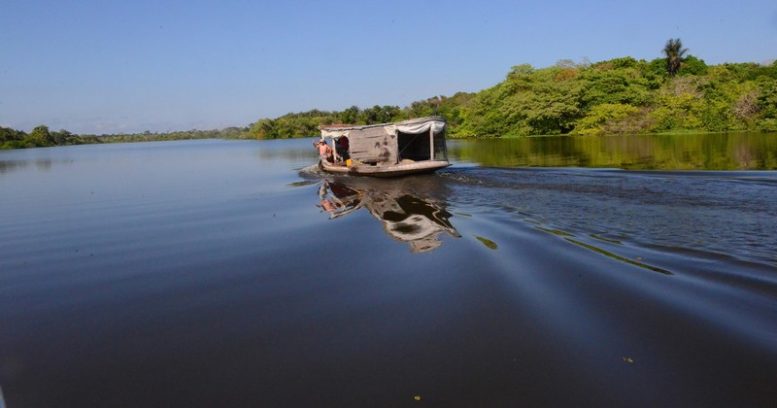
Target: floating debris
<point>487,242</point>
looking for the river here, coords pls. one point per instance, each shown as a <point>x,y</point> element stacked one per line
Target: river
<point>545,271</point>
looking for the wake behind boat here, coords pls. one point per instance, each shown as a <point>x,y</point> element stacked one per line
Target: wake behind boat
<point>384,150</point>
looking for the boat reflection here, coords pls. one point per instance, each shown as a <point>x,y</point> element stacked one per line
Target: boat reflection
<point>406,215</point>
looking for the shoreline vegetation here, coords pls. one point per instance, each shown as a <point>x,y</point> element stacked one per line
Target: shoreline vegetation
<point>675,94</point>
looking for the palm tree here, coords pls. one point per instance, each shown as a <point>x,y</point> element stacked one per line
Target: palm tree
<point>674,55</point>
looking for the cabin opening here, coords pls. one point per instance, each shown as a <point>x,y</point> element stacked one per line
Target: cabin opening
<point>412,146</point>
<point>422,146</point>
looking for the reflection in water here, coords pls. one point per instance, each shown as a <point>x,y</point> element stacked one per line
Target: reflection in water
<point>718,151</point>
<point>405,215</point>
<point>41,164</point>
<point>9,165</point>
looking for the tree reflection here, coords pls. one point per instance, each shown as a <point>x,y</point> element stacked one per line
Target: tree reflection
<point>405,214</point>
<point>712,151</point>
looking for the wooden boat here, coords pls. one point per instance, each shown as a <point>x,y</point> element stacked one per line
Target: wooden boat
<point>388,149</point>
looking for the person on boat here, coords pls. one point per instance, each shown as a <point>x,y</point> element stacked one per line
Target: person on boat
<point>342,148</point>
<point>385,154</point>
<point>324,151</point>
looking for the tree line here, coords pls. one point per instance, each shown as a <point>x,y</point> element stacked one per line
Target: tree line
<point>41,136</point>
<point>307,123</point>
<point>674,93</point>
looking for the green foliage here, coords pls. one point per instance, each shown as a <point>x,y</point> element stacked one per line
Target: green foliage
<point>263,129</point>
<point>350,115</point>
<point>605,118</point>
<point>608,84</point>
<point>656,68</point>
<point>11,137</point>
<point>306,124</point>
<point>291,125</point>
<point>625,62</point>
<point>767,125</point>
<point>40,137</point>
<point>380,114</point>
<point>451,108</point>
<point>693,66</point>
<point>226,133</point>
<point>484,116</point>
<point>767,104</point>
<point>529,101</point>
<point>767,98</point>
<point>624,95</point>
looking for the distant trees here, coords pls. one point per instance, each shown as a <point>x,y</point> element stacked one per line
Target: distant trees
<point>350,115</point>
<point>10,136</point>
<point>263,129</point>
<point>303,124</point>
<point>693,66</point>
<point>380,114</point>
<point>674,52</point>
<point>40,136</point>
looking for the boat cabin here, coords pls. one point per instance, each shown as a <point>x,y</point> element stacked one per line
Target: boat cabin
<point>393,147</point>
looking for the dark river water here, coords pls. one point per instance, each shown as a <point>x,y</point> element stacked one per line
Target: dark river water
<point>232,273</point>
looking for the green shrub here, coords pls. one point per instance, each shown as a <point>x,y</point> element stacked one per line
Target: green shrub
<point>604,116</point>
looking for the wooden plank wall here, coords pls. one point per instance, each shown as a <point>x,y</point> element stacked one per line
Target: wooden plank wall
<point>367,144</point>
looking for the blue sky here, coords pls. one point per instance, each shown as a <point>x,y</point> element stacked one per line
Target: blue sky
<point>118,66</point>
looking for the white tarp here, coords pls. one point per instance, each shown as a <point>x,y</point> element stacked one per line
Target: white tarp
<point>436,126</point>
<point>410,126</point>
<point>334,133</point>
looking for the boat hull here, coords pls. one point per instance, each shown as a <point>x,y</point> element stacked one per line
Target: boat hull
<point>395,170</point>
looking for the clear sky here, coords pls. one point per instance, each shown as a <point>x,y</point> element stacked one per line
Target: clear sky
<point>134,65</point>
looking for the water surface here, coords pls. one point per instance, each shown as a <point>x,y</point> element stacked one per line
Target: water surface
<point>223,273</point>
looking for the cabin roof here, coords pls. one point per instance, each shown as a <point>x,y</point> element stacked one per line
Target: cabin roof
<point>359,127</point>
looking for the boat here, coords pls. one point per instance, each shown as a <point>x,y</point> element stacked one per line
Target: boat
<point>387,149</point>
